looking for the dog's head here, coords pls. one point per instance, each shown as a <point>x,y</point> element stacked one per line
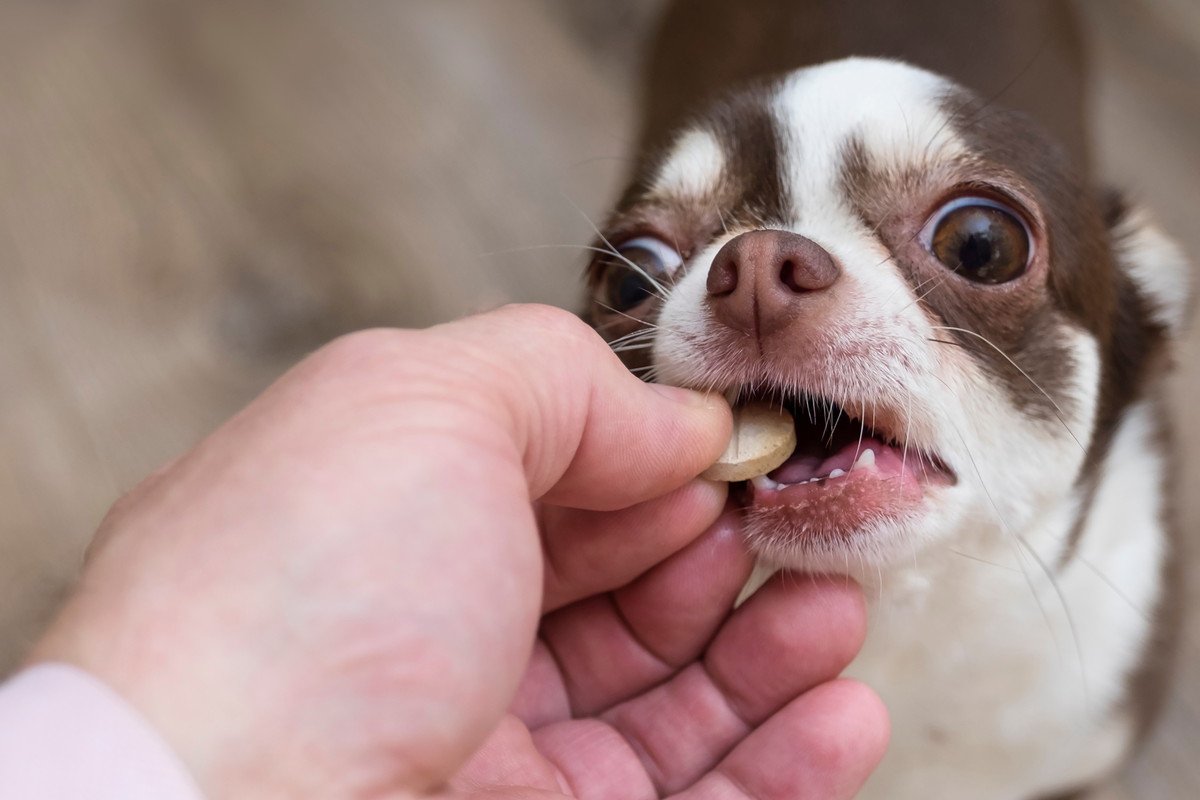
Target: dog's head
<point>955,320</point>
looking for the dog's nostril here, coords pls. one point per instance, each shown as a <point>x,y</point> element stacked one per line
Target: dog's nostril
<point>806,267</point>
<point>787,274</point>
<point>722,277</point>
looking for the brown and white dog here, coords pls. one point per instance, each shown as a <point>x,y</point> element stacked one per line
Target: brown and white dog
<point>972,341</point>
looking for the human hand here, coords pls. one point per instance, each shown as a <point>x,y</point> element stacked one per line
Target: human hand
<point>335,594</point>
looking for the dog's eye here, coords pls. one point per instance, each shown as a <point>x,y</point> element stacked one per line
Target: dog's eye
<point>632,275</point>
<point>980,239</point>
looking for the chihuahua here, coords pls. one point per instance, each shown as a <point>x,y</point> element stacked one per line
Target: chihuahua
<point>972,341</point>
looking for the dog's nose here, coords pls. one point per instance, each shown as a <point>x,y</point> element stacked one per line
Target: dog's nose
<point>761,280</point>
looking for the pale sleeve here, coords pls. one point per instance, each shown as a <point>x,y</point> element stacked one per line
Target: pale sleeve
<point>64,734</point>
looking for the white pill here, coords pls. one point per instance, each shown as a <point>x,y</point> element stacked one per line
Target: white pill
<point>764,436</point>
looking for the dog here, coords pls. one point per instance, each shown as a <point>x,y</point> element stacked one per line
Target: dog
<point>972,340</point>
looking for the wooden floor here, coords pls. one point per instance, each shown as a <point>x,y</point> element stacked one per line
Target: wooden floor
<point>192,194</point>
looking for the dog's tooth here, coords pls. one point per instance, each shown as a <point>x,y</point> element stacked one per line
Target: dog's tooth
<point>764,484</point>
<point>866,459</point>
<point>837,473</point>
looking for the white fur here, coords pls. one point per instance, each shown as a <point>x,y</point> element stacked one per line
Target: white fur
<point>694,166</point>
<point>893,107</point>
<point>1003,679</point>
<point>1157,265</point>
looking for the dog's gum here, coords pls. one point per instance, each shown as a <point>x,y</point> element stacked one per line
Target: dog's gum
<point>763,438</point>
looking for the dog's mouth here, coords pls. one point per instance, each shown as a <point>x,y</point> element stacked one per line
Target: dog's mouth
<point>849,469</point>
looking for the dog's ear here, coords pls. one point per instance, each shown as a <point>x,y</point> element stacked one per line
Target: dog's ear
<point>1154,261</point>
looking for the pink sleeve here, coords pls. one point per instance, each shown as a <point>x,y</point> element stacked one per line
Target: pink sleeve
<point>64,734</point>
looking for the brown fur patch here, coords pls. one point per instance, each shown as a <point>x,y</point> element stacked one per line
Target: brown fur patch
<point>750,193</point>
<point>1148,684</point>
<point>1010,329</point>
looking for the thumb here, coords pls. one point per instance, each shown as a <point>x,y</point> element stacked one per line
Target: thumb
<point>590,434</point>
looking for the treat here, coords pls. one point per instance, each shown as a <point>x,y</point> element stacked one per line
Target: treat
<point>763,438</point>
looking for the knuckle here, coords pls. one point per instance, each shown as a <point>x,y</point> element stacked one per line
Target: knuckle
<point>363,370</point>
<point>558,323</point>
<point>364,348</point>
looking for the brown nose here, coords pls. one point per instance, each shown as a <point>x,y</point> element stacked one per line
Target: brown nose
<point>760,281</point>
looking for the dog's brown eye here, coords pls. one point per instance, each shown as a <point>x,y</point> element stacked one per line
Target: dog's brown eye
<point>638,272</point>
<point>980,239</point>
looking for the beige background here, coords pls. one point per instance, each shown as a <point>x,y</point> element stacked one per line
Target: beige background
<point>192,194</point>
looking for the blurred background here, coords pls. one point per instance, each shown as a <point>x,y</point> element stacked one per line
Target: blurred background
<point>194,194</point>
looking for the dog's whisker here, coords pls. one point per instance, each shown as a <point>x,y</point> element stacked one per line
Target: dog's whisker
<point>612,310</point>
<point>1032,553</point>
<point>643,333</point>
<point>907,435</point>
<point>660,291</point>
<point>1141,612</point>
<point>648,373</point>
<point>613,250</point>
<point>970,557</point>
<point>629,348</point>
<point>1057,409</point>
<point>941,279</point>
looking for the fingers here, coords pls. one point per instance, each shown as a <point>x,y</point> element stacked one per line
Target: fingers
<point>595,761</point>
<point>601,651</point>
<point>675,609</point>
<point>797,631</point>
<point>590,434</point>
<point>794,634</point>
<point>822,746</point>
<point>588,552</point>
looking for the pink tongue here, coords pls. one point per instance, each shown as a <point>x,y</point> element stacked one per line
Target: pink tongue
<point>800,468</point>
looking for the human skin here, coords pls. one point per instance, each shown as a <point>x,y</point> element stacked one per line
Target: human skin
<point>475,561</point>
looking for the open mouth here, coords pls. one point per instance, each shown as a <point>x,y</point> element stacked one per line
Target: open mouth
<point>847,471</point>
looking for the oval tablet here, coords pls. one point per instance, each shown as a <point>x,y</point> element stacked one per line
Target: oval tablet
<point>763,438</point>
